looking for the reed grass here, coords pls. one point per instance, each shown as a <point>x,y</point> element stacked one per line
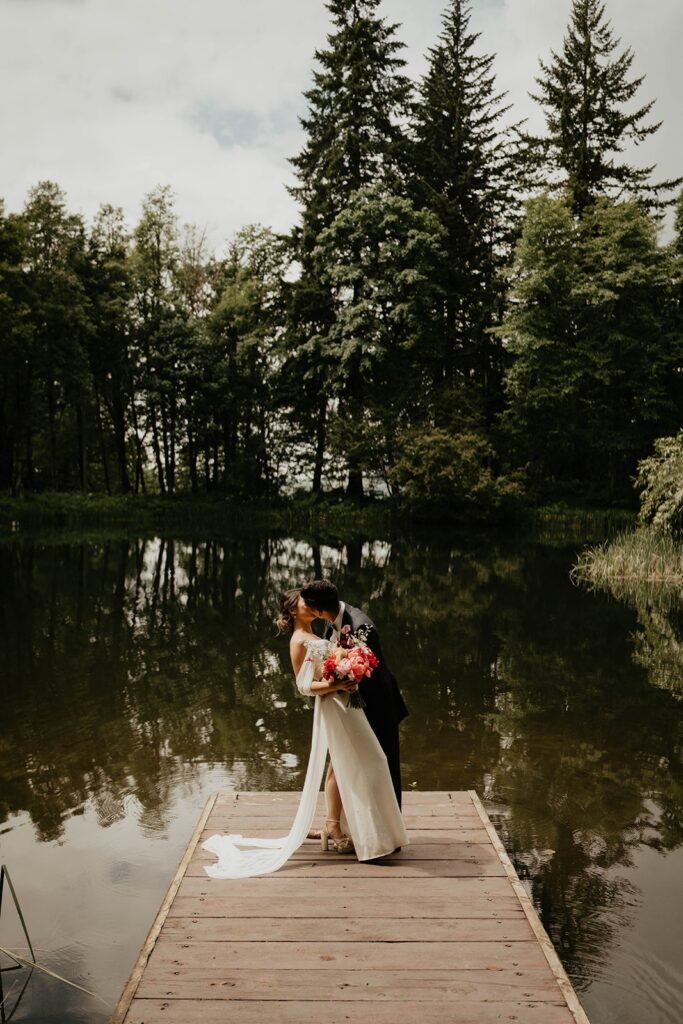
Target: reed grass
<point>636,556</point>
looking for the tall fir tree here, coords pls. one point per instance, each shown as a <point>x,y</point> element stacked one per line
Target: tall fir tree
<point>355,129</point>
<point>587,93</point>
<point>464,173</point>
<point>355,122</point>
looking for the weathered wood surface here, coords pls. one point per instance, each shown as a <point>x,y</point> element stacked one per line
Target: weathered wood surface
<point>443,932</point>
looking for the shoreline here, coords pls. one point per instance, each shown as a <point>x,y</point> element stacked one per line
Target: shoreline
<point>329,516</point>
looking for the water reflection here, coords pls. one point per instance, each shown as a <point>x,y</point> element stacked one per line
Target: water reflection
<point>130,668</point>
<point>658,639</point>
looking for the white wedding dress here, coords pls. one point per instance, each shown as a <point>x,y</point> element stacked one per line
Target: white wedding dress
<point>371,813</point>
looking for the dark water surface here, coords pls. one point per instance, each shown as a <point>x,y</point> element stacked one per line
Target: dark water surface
<point>139,675</point>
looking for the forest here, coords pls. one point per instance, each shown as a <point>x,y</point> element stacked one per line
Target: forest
<point>465,319</point>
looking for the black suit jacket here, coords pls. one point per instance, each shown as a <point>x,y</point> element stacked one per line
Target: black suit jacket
<point>380,691</point>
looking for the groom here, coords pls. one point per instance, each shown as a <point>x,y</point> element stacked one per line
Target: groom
<point>385,706</point>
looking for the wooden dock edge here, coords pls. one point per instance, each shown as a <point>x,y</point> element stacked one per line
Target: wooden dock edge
<point>534,920</point>
<point>135,976</point>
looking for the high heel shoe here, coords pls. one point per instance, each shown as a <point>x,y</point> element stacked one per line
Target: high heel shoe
<point>343,844</point>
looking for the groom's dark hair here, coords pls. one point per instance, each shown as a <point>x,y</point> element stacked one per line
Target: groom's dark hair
<point>321,595</point>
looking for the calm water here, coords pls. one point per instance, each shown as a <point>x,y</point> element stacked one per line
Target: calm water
<point>139,675</point>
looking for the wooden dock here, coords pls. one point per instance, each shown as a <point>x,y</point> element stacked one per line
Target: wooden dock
<point>442,933</point>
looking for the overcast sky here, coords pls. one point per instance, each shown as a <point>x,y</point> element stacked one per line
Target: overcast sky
<point>111,97</point>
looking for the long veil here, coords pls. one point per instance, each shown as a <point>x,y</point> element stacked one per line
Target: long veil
<point>240,856</point>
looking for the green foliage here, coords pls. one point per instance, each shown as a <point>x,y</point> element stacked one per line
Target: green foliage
<point>241,362</point>
<point>109,283</point>
<point>59,318</point>
<point>587,97</point>
<point>451,475</point>
<point>660,481</point>
<point>16,356</point>
<point>591,327</point>
<point>379,258</point>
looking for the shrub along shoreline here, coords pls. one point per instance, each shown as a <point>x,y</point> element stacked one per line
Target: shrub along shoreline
<point>82,512</point>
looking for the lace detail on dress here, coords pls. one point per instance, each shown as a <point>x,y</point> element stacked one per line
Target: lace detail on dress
<point>318,650</point>
<point>318,647</point>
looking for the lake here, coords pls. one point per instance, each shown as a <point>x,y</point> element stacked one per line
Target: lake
<point>140,674</point>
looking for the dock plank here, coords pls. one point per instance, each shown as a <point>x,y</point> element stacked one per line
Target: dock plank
<point>353,929</point>
<point>325,955</point>
<point>443,931</point>
<point>364,986</point>
<point>188,1011</point>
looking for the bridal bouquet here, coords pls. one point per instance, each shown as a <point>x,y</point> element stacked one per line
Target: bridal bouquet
<point>350,661</point>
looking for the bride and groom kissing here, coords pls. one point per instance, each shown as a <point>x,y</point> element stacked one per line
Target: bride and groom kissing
<point>363,780</point>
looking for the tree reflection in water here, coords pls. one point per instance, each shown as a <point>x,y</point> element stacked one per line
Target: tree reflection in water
<point>127,664</point>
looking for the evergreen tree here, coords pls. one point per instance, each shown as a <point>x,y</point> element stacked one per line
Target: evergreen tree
<point>464,173</point>
<point>596,362</point>
<point>354,124</point>
<point>586,93</point>
<point>380,257</point>
<point>355,135</point>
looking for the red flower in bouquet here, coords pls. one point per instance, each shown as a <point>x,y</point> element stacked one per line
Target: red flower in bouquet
<point>351,661</point>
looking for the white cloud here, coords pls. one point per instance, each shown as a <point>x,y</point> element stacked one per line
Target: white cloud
<point>111,97</point>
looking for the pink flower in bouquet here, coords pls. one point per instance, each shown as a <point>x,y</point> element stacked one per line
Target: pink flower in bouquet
<point>352,660</point>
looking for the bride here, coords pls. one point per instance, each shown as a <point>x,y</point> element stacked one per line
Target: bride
<point>359,792</point>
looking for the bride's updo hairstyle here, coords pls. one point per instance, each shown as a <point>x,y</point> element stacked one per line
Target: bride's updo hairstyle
<point>288,605</point>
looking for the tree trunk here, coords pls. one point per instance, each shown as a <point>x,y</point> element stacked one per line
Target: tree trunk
<point>51,409</point>
<point>119,425</point>
<point>354,486</point>
<point>192,460</point>
<point>156,448</point>
<point>139,472</point>
<point>172,447</point>
<point>320,443</point>
<point>6,445</point>
<point>207,466</point>
<point>166,441</point>
<point>103,447</point>
<point>82,447</point>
